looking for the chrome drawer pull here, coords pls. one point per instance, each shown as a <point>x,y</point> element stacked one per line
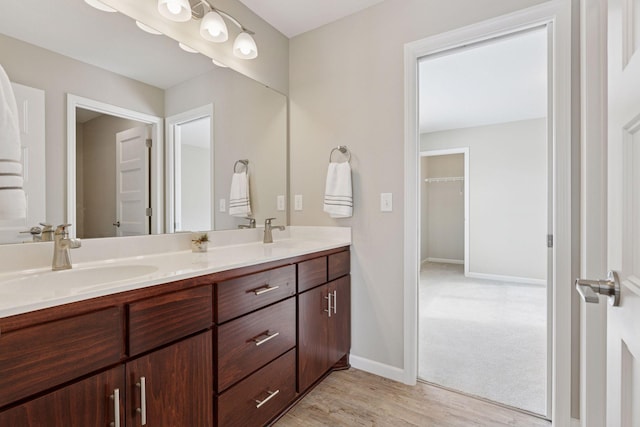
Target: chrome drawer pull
<point>328,310</point>
<point>335,305</point>
<point>142,410</point>
<point>265,289</point>
<point>264,340</point>
<point>271,395</point>
<point>116,407</point>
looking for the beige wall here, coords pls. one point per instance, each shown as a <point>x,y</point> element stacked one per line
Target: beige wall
<point>346,87</point>
<point>507,196</point>
<point>58,75</point>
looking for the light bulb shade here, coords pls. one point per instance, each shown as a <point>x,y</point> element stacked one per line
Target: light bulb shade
<point>148,29</point>
<point>218,63</point>
<point>100,6</point>
<point>175,10</point>
<point>213,28</point>
<point>187,48</point>
<point>245,47</point>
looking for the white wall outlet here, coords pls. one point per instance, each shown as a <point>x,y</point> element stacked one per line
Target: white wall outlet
<point>386,202</point>
<point>280,202</point>
<point>297,202</point>
<point>222,206</point>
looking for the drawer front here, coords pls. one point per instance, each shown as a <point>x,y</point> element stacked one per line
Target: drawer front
<point>236,297</point>
<point>312,273</point>
<point>339,264</point>
<point>166,318</point>
<point>44,356</point>
<point>246,403</point>
<point>250,342</point>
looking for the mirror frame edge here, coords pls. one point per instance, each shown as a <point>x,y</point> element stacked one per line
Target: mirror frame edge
<point>157,156</point>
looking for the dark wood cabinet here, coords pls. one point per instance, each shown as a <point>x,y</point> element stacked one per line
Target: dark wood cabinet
<point>324,324</point>
<point>89,402</point>
<point>172,386</point>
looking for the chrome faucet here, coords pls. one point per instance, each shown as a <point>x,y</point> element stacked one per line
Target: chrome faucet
<point>252,223</point>
<point>268,237</point>
<point>62,245</point>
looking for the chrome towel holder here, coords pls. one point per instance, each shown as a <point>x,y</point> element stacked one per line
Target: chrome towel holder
<point>243,162</point>
<point>344,150</point>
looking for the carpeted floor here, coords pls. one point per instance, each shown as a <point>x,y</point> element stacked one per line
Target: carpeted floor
<point>483,337</point>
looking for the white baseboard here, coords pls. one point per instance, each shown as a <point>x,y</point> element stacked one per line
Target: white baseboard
<point>575,422</point>
<point>445,260</point>
<point>512,279</point>
<point>377,368</point>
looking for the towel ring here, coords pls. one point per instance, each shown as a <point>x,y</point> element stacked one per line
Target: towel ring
<point>344,150</point>
<point>243,162</point>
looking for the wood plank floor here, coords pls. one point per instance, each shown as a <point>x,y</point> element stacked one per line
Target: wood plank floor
<point>356,398</point>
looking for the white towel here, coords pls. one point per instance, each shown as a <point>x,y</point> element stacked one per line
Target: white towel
<point>239,200</point>
<point>12,198</point>
<point>338,194</point>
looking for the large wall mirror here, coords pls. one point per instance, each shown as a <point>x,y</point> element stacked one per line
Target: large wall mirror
<point>112,91</point>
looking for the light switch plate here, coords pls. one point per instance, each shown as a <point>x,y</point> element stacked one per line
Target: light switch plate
<point>223,205</point>
<point>297,202</point>
<point>386,202</point>
<point>280,202</point>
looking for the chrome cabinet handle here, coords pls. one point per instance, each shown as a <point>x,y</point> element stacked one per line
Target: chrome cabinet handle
<point>328,310</point>
<point>272,394</point>
<point>335,304</point>
<point>265,289</point>
<point>116,407</point>
<point>142,410</point>
<point>264,340</point>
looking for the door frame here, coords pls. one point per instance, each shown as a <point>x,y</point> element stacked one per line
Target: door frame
<point>156,160</point>
<point>465,154</point>
<point>556,15</point>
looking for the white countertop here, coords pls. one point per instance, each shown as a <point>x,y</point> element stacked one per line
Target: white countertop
<point>36,288</point>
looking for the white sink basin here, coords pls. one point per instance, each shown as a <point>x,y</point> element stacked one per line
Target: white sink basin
<point>44,285</point>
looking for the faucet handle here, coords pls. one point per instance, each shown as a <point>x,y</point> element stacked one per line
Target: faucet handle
<point>268,221</point>
<point>62,228</point>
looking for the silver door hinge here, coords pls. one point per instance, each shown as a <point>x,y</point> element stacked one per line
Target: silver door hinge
<point>149,212</point>
<point>149,142</point>
<point>549,240</point>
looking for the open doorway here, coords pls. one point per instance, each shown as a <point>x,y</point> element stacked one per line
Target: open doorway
<point>484,219</point>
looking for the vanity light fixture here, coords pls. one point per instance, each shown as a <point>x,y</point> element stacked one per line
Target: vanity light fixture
<point>187,48</point>
<point>213,28</point>
<point>148,29</point>
<point>218,63</point>
<point>244,46</point>
<point>175,10</point>
<point>100,6</point>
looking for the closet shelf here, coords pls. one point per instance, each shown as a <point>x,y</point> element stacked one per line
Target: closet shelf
<point>445,179</point>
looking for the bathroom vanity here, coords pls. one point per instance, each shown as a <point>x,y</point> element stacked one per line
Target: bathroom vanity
<point>237,346</point>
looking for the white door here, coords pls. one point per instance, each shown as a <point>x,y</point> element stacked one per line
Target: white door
<point>30,102</point>
<point>622,357</point>
<point>132,182</point>
<point>623,332</point>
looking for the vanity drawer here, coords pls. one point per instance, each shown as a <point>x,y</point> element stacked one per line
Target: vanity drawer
<point>312,273</point>
<point>169,317</point>
<point>273,385</point>
<point>339,264</point>
<point>249,342</point>
<point>40,357</point>
<point>236,297</point>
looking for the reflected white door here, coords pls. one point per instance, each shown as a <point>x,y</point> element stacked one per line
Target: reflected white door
<point>623,331</point>
<point>30,102</point>
<point>132,182</point>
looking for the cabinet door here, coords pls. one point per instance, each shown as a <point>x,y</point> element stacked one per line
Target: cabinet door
<point>85,403</point>
<point>312,336</point>
<point>339,340</point>
<point>172,386</point>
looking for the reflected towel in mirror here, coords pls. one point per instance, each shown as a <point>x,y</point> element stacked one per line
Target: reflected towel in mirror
<point>338,193</point>
<point>12,197</point>
<point>239,199</point>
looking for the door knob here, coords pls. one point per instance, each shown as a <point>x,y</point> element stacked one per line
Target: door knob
<point>590,289</point>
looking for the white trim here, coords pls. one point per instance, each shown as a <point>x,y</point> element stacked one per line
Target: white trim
<point>156,161</point>
<point>170,123</point>
<point>511,279</point>
<point>444,260</point>
<point>376,368</point>
<point>558,13</point>
<point>575,422</point>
